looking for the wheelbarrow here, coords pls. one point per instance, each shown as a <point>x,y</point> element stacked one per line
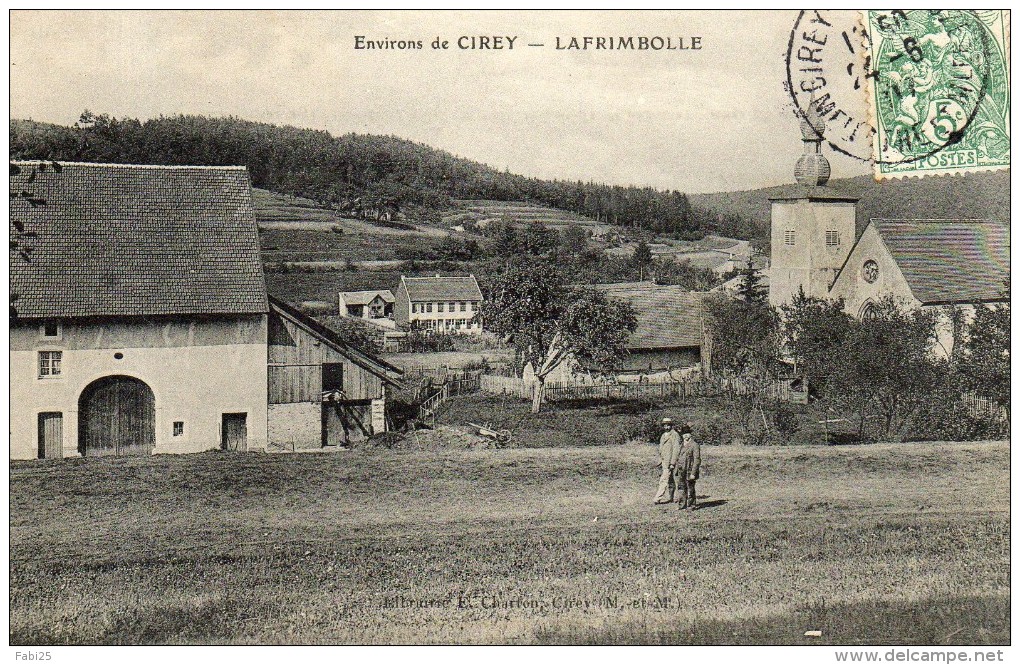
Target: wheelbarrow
<point>502,436</point>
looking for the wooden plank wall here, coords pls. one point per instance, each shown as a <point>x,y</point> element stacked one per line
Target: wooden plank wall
<point>295,367</point>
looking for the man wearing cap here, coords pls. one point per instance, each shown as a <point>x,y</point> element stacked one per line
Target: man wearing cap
<point>669,450</point>
<point>688,468</point>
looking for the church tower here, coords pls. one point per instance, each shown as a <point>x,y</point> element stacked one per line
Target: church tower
<point>813,226</point>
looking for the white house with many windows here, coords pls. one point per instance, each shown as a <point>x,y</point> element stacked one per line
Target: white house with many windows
<point>438,304</point>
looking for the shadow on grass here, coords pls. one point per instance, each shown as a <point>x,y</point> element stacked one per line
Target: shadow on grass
<point>951,620</point>
<point>702,505</point>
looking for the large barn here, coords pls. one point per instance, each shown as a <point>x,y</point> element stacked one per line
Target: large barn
<point>140,320</point>
<point>670,327</point>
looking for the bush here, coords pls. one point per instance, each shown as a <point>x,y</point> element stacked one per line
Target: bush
<point>945,417</point>
<point>421,341</point>
<point>785,420</point>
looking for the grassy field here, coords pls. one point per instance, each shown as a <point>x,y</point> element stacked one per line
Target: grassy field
<point>881,544</point>
<point>516,211</point>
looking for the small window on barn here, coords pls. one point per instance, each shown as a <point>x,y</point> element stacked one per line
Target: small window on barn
<point>414,308</point>
<point>790,237</point>
<point>428,307</point>
<point>442,307</point>
<point>463,307</point>
<point>832,238</point>
<point>50,363</point>
<point>178,428</point>
<point>332,376</point>
<point>50,329</point>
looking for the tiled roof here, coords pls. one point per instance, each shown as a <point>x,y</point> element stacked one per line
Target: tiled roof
<point>426,289</point>
<point>126,240</point>
<point>365,297</point>
<point>668,317</point>
<point>961,261</point>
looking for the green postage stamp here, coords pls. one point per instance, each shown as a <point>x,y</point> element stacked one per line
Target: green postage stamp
<point>938,90</point>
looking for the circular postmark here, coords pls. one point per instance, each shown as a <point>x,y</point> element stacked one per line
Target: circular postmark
<point>931,79</point>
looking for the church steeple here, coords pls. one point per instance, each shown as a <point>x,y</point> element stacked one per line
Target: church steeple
<point>812,169</point>
<point>812,225</point>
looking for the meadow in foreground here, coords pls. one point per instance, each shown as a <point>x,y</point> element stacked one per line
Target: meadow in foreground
<point>905,544</point>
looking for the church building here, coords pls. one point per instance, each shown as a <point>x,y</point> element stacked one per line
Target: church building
<point>941,264</point>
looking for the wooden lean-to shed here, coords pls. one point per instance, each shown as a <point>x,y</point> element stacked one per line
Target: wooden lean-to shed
<point>322,391</point>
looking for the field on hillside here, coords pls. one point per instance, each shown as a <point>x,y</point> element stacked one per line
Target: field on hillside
<point>297,287</point>
<point>887,544</point>
<point>295,229</point>
<point>485,212</point>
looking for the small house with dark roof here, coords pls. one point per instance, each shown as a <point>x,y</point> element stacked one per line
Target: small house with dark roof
<point>140,322</point>
<point>438,304</point>
<point>670,326</point>
<point>373,306</point>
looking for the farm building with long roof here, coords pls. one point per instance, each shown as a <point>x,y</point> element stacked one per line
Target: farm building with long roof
<point>140,319</point>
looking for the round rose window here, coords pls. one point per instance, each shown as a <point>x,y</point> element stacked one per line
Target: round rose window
<point>870,271</point>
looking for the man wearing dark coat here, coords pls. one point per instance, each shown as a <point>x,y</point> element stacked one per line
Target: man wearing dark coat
<point>688,468</point>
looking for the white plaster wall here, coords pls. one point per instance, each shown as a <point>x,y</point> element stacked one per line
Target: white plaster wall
<point>297,425</point>
<point>810,262</point>
<point>472,327</point>
<point>193,384</point>
<point>855,291</point>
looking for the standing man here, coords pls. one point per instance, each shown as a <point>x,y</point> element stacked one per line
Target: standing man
<point>688,468</point>
<point>669,450</point>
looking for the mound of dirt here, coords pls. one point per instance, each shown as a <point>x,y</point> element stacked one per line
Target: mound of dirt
<point>442,437</point>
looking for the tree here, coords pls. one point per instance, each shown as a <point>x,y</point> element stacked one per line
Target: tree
<point>505,241</point>
<point>547,322</point>
<point>814,329</point>
<point>744,342</point>
<point>884,366</point>
<point>536,239</point>
<point>573,241</point>
<point>744,336</point>
<point>750,289</point>
<point>985,357</point>
<point>669,271</point>
<point>642,258</point>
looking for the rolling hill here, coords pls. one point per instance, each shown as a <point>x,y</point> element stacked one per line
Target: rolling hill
<point>971,196</point>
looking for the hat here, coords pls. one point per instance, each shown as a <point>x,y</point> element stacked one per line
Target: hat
<point>667,421</point>
<point>686,429</point>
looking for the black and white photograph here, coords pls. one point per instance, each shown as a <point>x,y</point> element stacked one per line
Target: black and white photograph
<point>513,327</point>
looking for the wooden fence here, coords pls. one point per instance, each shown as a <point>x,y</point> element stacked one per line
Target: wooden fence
<point>986,409</point>
<point>429,409</point>
<point>505,385</point>
<point>683,389</point>
<point>624,391</point>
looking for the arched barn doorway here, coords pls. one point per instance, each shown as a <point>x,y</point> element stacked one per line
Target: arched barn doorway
<point>116,416</point>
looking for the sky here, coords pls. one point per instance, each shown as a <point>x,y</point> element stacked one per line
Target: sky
<point>712,119</point>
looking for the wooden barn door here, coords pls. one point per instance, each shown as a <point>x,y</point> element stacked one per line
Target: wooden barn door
<point>235,432</point>
<point>51,435</point>
<point>333,431</point>
<point>116,416</point>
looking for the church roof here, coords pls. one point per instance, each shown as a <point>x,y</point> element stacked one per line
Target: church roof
<point>128,240</point>
<point>944,261</point>
<point>668,317</point>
